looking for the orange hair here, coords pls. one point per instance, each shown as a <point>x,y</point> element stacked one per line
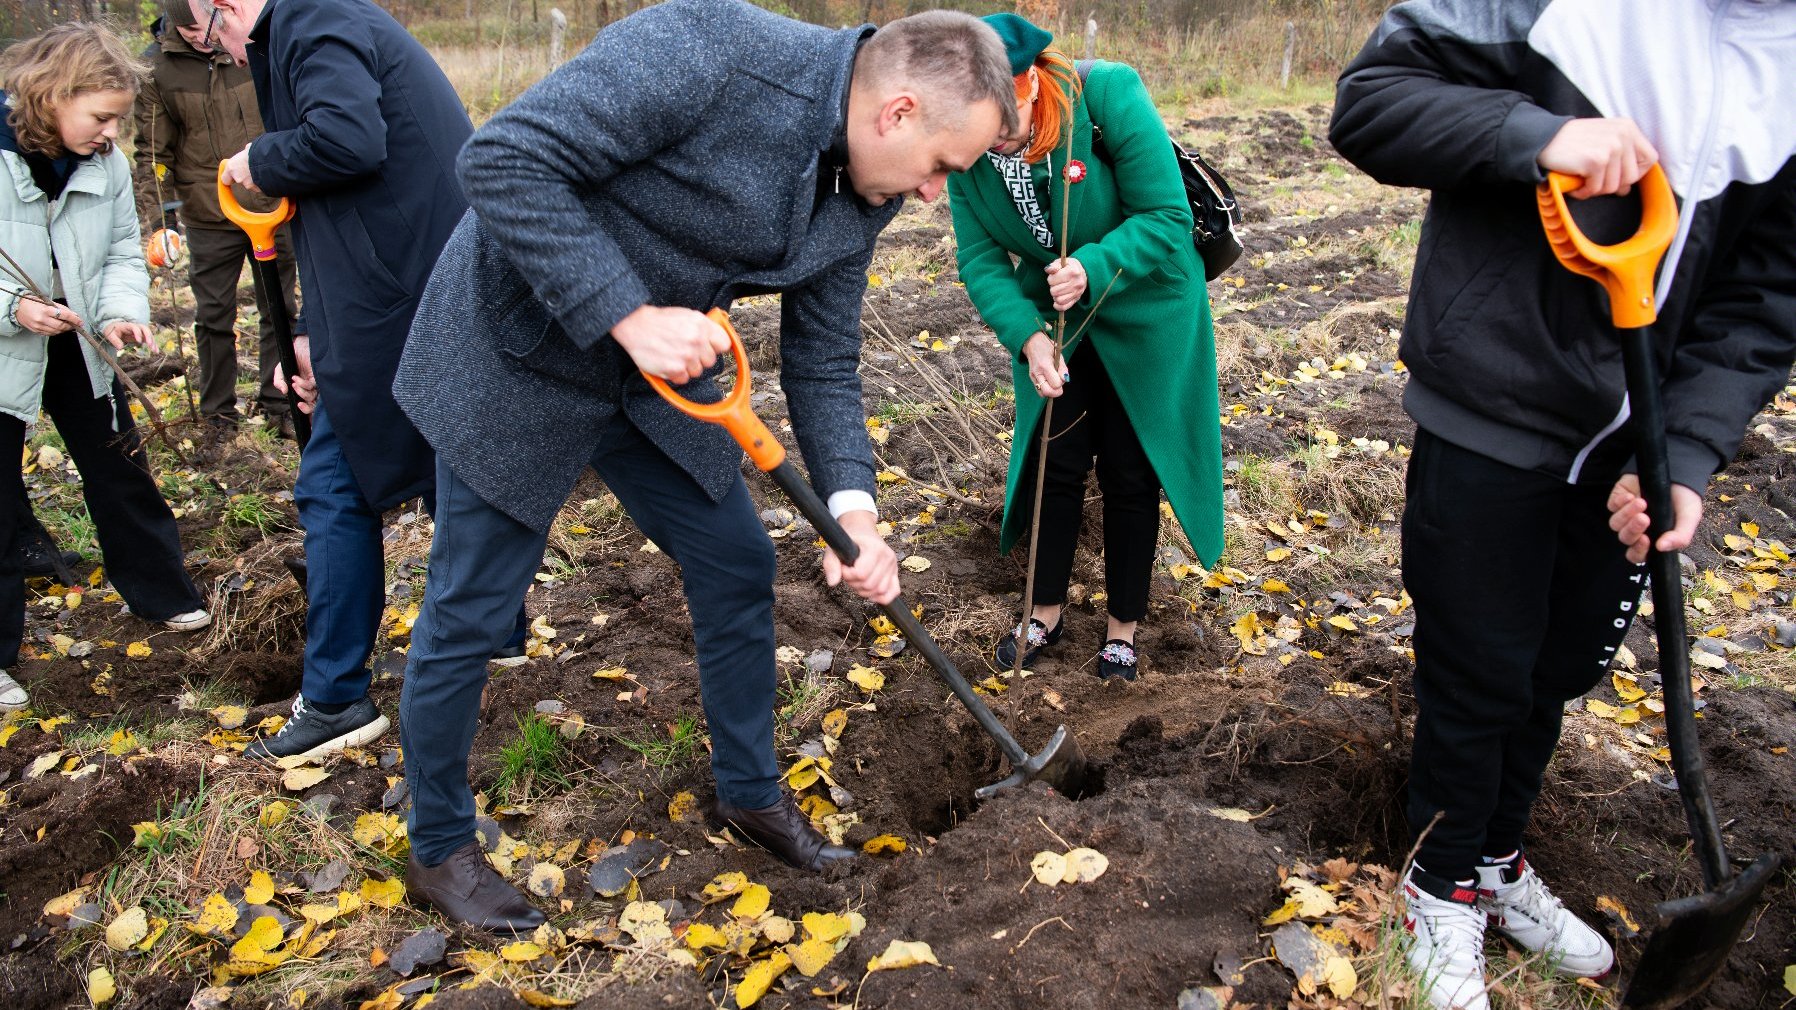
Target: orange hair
<point>1053,103</point>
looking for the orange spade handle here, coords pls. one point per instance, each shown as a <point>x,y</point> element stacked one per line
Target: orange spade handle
<point>258,226</point>
<point>733,411</point>
<point>1626,268</point>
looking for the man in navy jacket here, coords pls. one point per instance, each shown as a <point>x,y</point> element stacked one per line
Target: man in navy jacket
<point>362,133</point>
<point>1520,467</point>
<point>696,152</point>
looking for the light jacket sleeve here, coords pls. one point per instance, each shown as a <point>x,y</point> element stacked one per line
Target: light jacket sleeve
<point>1429,101</point>
<point>1735,350</point>
<point>1156,215</point>
<point>124,280</point>
<point>623,98</point>
<point>332,68</point>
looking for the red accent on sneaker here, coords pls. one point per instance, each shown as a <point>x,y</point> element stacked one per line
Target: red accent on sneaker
<point>1465,895</point>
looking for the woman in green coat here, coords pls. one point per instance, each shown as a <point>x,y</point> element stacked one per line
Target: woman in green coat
<point>1135,389</point>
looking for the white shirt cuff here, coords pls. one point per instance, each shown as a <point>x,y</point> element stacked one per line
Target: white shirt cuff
<point>851,500</point>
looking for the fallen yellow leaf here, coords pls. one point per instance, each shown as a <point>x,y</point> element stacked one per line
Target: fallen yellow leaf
<point>1084,866</point>
<point>217,915</point>
<point>1312,901</point>
<point>826,926</point>
<point>125,931</point>
<point>100,986</point>
<point>725,884</point>
<point>903,954</point>
<point>382,893</point>
<point>811,956</point>
<point>752,903</point>
<point>703,936</point>
<point>260,890</point>
<point>866,678</point>
<point>523,950</point>
<point>300,779</point>
<point>683,807</point>
<point>759,976</point>
<point>1048,867</point>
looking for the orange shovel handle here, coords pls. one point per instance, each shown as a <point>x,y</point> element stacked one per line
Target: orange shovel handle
<point>1626,268</point>
<point>259,226</point>
<point>733,411</point>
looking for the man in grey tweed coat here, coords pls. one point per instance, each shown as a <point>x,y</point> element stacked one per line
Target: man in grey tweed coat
<point>696,152</point>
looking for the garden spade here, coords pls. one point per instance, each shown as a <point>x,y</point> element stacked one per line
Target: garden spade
<point>1060,763</point>
<point>260,229</point>
<point>1692,936</point>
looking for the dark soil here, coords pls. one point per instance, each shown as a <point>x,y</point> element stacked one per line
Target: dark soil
<point>1204,728</point>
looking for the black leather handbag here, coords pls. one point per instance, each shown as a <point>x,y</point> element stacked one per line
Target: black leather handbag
<point>1215,213</point>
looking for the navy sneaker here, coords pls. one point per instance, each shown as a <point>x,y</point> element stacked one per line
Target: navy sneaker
<point>311,733</point>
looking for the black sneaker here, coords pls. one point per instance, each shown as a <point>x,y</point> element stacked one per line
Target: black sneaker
<point>39,563</point>
<point>311,733</point>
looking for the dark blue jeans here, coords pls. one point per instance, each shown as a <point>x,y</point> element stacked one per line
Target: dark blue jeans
<point>345,571</point>
<point>481,563</point>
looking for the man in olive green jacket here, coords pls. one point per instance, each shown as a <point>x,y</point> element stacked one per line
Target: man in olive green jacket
<point>197,109</point>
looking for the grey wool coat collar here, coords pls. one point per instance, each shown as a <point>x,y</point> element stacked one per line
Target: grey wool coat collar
<point>675,161</point>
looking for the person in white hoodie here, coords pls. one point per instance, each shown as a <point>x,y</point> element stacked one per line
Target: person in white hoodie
<point>68,223</point>
<point>1521,464</point>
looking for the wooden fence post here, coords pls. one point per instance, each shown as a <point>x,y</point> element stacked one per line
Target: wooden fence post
<point>1284,75</point>
<point>1091,38</point>
<point>557,29</point>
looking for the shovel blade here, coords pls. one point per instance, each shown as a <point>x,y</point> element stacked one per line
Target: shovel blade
<point>1061,764</point>
<point>1692,939</point>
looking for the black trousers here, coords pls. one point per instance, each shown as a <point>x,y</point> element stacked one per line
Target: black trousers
<point>138,539</point>
<point>215,265</point>
<point>1089,422</point>
<point>1522,594</point>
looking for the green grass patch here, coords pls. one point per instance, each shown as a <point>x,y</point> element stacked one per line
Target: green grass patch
<point>533,762</point>
<point>681,742</point>
<point>252,509</point>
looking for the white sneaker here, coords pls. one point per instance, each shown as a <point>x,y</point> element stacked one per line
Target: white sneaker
<point>193,620</point>
<point>1526,912</point>
<point>12,695</point>
<point>1446,948</point>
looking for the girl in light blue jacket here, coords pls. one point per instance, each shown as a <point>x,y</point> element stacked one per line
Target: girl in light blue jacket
<point>69,227</point>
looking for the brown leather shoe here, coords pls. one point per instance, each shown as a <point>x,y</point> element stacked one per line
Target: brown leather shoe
<point>782,830</point>
<point>469,891</point>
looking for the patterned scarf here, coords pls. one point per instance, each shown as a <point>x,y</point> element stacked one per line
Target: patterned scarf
<point>1015,173</point>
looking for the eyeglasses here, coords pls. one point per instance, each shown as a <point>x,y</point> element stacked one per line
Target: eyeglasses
<point>210,39</point>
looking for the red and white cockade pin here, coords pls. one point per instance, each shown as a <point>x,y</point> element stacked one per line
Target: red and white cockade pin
<point>1075,171</point>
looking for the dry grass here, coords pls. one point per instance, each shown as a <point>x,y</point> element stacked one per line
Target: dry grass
<point>494,58</point>
<point>488,77</point>
<point>258,608</point>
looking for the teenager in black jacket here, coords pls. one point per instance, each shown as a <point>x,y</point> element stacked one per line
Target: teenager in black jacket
<point>1522,594</point>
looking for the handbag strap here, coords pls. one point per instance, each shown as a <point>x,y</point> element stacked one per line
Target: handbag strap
<point>1083,69</point>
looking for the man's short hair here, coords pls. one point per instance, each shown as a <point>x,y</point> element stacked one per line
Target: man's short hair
<point>946,54</point>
